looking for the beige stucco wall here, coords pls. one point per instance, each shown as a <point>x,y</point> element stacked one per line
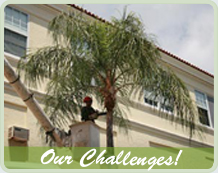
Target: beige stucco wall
<point>145,125</point>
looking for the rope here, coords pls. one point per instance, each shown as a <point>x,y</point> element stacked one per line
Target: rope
<point>18,78</point>
<point>31,95</point>
<point>50,133</point>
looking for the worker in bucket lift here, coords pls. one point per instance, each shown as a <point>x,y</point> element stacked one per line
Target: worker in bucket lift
<point>87,112</point>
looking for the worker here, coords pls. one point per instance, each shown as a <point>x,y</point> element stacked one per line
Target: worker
<point>87,112</point>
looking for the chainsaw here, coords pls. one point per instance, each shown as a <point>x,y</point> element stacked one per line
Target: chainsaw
<point>96,115</point>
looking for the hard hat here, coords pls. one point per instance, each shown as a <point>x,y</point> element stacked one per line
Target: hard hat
<point>87,99</point>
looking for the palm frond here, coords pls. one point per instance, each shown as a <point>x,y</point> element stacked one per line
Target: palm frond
<point>106,61</point>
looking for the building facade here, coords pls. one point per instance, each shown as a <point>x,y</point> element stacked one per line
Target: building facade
<point>26,27</point>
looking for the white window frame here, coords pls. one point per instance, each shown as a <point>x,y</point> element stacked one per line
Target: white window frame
<point>18,32</point>
<point>158,107</point>
<point>207,108</point>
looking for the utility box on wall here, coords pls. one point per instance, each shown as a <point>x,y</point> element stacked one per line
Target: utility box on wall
<point>18,134</point>
<point>18,143</point>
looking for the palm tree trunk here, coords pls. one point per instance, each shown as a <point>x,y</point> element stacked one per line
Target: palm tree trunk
<point>29,100</point>
<point>110,139</point>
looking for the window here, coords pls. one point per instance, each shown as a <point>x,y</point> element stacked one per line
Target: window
<point>15,32</point>
<point>205,106</point>
<point>157,102</point>
<point>211,108</point>
<point>149,98</point>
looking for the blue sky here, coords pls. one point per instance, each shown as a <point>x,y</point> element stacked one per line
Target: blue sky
<point>182,29</point>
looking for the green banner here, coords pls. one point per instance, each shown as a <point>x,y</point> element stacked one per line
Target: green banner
<point>102,158</point>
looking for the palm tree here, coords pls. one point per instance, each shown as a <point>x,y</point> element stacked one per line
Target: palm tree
<point>108,61</point>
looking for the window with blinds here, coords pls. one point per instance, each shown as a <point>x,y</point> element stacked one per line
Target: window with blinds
<point>157,101</point>
<point>211,108</point>
<point>205,106</point>
<point>15,31</point>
